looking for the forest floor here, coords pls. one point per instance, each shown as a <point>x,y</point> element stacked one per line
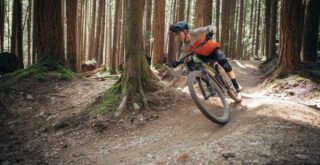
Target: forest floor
<point>51,122</point>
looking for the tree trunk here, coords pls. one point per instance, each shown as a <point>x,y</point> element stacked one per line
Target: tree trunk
<point>290,36</point>
<point>102,39</point>
<point>311,31</point>
<point>148,26</point>
<point>109,58</point>
<point>136,75</point>
<point>81,32</point>
<point>240,32</point>
<point>29,31</point>
<point>16,37</point>
<point>72,6</point>
<point>251,17</point>
<point>48,31</point>
<point>258,31</point>
<point>253,31</point>
<point>158,56</point>
<point>207,12</point>
<point>188,11</point>
<point>267,22</point>
<point>115,54</point>
<point>106,36</point>
<point>199,7</point>
<point>273,31</point>
<point>225,21</point>
<point>98,32</point>
<point>218,20</point>
<point>92,31</point>
<point>172,50</point>
<point>232,34</point>
<point>120,61</point>
<point>2,18</point>
<point>180,17</point>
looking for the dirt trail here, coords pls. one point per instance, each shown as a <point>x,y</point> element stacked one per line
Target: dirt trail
<point>262,130</point>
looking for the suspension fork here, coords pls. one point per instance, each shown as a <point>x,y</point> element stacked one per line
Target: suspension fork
<point>211,89</point>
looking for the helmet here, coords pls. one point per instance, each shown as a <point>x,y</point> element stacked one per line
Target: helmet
<point>179,26</point>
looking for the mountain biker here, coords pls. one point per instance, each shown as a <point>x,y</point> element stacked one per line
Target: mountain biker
<point>208,52</point>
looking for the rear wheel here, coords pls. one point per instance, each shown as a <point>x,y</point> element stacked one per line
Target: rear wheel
<point>208,98</point>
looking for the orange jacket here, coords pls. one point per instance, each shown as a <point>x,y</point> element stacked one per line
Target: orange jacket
<point>206,49</point>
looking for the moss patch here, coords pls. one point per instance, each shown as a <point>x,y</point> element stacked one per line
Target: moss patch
<point>39,70</point>
<point>109,101</point>
<point>66,74</point>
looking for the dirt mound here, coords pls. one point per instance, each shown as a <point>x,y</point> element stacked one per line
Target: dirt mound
<point>295,88</point>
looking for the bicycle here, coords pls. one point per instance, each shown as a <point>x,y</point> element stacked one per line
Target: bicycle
<point>208,87</point>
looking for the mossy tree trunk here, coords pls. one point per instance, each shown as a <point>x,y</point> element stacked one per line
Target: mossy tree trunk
<point>48,31</point>
<point>137,75</point>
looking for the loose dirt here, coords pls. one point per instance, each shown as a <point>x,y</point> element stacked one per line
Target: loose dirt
<point>50,123</point>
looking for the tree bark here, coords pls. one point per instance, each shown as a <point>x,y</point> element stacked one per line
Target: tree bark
<point>290,35</point>
<point>207,12</point>
<point>109,57</point>
<point>232,36</point>
<point>2,18</point>
<point>136,75</point>
<point>116,38</point>
<point>29,31</point>
<point>72,8</point>
<point>253,31</point>
<point>218,20</point>
<point>225,21</point>
<point>148,26</point>
<point>98,32</point>
<point>199,7</point>
<point>16,37</point>
<point>188,11</point>
<point>158,56</point>
<point>102,39</point>
<point>273,31</point>
<point>92,31</point>
<point>311,31</point>
<point>48,31</point>
<point>120,61</point>
<point>172,50</point>
<point>258,31</point>
<point>240,32</point>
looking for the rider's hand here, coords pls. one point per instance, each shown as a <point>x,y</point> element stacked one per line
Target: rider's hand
<point>209,35</point>
<point>175,64</point>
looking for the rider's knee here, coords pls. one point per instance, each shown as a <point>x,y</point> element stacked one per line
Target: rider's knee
<point>225,64</point>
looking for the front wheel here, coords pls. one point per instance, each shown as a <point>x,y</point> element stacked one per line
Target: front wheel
<point>208,98</point>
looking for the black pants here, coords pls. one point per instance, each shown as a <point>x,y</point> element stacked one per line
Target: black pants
<point>217,55</point>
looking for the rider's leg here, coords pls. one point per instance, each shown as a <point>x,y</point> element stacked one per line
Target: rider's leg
<point>221,59</point>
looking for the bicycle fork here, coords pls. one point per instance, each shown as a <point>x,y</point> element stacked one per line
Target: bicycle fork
<point>212,92</point>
